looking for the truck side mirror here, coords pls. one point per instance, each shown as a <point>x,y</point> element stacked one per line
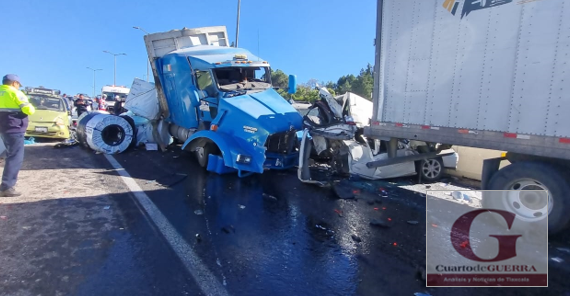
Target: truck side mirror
<point>292,84</point>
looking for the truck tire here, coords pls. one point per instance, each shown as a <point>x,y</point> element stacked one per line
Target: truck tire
<point>532,207</point>
<point>202,153</point>
<point>431,169</point>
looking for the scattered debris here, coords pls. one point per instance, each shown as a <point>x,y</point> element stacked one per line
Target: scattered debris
<point>379,223</point>
<point>241,207</point>
<point>356,238</point>
<point>198,212</point>
<point>265,195</point>
<point>107,207</point>
<point>413,222</point>
<point>151,146</point>
<point>171,179</point>
<point>421,273</point>
<point>30,141</point>
<point>555,259</point>
<point>339,213</point>
<point>228,229</point>
<point>320,227</point>
<point>343,190</point>
<point>66,143</point>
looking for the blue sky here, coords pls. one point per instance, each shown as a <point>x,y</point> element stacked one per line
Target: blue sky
<point>50,43</point>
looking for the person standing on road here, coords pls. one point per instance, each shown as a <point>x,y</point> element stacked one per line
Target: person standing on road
<point>14,111</point>
<point>81,105</point>
<point>118,107</point>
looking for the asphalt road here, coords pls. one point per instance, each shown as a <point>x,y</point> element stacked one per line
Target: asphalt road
<point>163,226</point>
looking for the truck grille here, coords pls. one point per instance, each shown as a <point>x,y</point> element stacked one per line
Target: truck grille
<point>283,143</point>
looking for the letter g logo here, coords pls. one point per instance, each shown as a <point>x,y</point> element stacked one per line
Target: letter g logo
<point>461,229</point>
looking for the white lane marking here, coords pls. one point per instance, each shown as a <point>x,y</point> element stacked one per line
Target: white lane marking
<point>201,274</point>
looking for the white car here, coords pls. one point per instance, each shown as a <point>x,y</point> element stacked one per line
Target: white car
<point>362,151</point>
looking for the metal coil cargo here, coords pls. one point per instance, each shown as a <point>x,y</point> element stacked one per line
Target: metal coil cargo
<point>105,133</point>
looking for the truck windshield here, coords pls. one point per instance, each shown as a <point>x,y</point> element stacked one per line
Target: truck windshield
<point>111,96</point>
<point>47,103</point>
<point>243,78</point>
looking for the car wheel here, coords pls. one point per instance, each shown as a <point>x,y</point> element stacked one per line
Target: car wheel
<point>431,169</point>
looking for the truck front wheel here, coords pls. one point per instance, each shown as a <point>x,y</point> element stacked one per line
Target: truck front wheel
<point>523,180</point>
<point>203,153</point>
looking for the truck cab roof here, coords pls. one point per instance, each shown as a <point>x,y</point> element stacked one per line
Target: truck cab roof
<point>209,56</point>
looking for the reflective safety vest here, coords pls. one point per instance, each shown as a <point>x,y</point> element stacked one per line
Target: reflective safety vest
<point>14,110</point>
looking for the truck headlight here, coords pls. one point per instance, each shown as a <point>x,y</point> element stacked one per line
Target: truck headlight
<point>243,159</point>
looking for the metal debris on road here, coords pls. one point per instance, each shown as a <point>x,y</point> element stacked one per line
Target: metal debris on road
<point>413,222</point>
<point>379,223</point>
<point>339,213</point>
<point>228,229</point>
<point>265,195</point>
<point>557,259</point>
<point>66,143</point>
<point>198,212</point>
<point>356,238</point>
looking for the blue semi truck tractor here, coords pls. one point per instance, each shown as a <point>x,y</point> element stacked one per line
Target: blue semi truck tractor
<point>219,101</point>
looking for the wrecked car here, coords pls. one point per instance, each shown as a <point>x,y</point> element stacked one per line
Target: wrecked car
<point>333,134</point>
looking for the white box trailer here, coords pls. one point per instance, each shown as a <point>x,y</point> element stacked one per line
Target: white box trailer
<point>482,73</point>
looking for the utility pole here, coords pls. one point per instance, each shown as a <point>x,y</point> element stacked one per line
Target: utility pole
<point>114,64</point>
<point>237,27</point>
<point>147,72</point>
<point>94,70</point>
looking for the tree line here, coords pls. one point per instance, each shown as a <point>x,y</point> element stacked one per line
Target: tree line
<point>361,85</point>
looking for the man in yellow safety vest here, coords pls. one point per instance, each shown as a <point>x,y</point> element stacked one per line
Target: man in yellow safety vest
<point>14,111</point>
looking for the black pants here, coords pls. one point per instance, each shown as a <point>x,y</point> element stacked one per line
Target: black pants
<point>14,158</point>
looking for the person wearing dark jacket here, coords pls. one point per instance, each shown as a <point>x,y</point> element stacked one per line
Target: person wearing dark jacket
<point>118,107</point>
<point>81,105</point>
<point>14,111</point>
